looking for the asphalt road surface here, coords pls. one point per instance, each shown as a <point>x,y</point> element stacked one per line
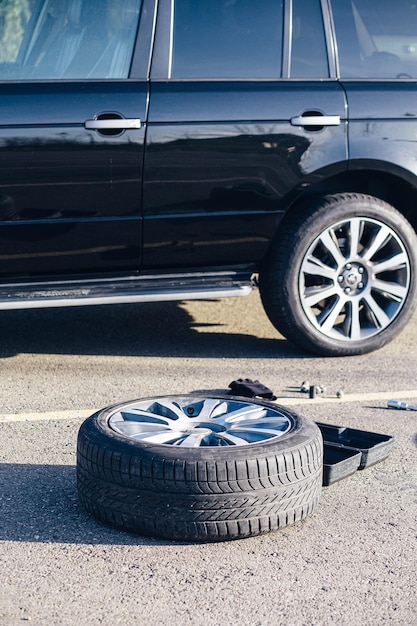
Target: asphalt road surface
<point>352,561</point>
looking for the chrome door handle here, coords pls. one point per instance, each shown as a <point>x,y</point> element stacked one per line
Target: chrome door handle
<point>113,124</point>
<point>316,120</point>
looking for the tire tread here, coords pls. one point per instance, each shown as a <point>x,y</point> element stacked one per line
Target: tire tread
<point>203,499</point>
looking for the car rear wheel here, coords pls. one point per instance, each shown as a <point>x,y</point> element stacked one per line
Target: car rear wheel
<point>341,278</point>
<point>199,468</point>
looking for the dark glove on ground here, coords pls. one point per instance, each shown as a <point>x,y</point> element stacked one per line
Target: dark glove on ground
<point>250,389</point>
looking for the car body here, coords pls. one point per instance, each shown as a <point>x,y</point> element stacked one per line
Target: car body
<point>177,149</point>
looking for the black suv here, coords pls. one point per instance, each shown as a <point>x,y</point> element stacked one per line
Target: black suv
<point>178,149</point>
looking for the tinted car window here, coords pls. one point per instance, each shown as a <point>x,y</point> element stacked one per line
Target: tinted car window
<point>308,49</point>
<point>69,39</point>
<point>227,39</point>
<point>376,38</point>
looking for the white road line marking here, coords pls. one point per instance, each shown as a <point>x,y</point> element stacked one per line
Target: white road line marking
<point>302,400</point>
<point>50,415</point>
<point>351,397</point>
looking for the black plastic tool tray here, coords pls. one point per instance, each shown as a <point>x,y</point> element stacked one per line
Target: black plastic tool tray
<point>339,463</point>
<point>346,447</point>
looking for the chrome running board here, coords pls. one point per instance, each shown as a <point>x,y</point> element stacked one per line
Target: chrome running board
<point>168,287</point>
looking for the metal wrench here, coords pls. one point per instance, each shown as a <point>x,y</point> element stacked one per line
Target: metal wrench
<point>404,406</point>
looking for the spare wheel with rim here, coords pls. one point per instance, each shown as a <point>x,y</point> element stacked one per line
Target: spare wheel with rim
<point>199,468</point>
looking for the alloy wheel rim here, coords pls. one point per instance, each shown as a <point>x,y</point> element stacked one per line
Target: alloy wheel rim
<point>192,421</point>
<point>354,279</point>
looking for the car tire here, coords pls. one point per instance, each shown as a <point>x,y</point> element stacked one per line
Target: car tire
<point>235,467</point>
<point>341,278</point>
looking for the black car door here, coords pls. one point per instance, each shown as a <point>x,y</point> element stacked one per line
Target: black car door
<point>377,47</point>
<point>73,99</point>
<point>244,112</point>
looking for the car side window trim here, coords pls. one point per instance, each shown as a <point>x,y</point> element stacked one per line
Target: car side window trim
<point>329,34</point>
<point>163,47</point>
<point>142,53</point>
<point>287,40</point>
<point>171,40</point>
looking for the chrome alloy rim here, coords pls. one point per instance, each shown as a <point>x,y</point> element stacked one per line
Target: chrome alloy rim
<point>354,279</point>
<point>195,422</point>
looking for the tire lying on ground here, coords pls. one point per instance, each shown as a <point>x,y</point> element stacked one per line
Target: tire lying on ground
<point>199,468</point>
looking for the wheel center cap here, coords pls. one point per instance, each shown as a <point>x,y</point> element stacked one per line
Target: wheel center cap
<point>352,278</point>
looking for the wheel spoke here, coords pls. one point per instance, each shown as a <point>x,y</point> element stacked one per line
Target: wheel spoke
<point>383,235</point>
<point>263,422</point>
<point>245,413</point>
<point>355,232</point>
<point>167,436</point>
<point>170,410</point>
<point>136,415</point>
<point>354,320</point>
<point>390,289</point>
<point>331,318</point>
<point>397,262</point>
<point>163,413</point>
<point>213,408</point>
<point>270,432</point>
<point>314,295</point>
<point>315,267</point>
<point>381,318</point>
<point>134,428</point>
<point>330,243</point>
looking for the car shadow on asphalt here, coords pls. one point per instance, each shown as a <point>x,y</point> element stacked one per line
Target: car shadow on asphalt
<point>39,503</point>
<point>150,329</point>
